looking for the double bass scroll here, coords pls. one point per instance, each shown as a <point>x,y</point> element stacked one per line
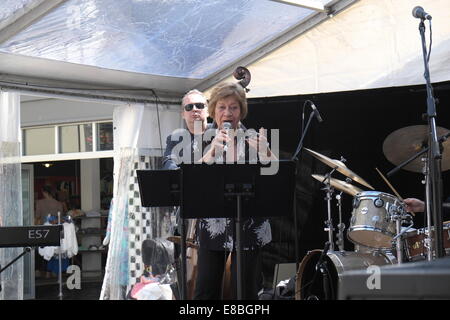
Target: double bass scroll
<point>243,74</point>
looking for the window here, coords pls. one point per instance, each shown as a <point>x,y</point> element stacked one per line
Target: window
<point>105,136</point>
<point>38,141</point>
<point>68,138</point>
<point>75,138</point>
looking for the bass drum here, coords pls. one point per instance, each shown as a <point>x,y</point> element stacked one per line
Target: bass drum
<point>312,285</point>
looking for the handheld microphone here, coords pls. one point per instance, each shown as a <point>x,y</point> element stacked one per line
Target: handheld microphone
<point>419,12</point>
<point>226,126</point>
<point>316,112</point>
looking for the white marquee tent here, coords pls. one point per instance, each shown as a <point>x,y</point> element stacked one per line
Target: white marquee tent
<point>145,52</point>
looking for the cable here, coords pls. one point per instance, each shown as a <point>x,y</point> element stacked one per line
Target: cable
<point>303,115</point>
<point>429,52</point>
<point>431,41</point>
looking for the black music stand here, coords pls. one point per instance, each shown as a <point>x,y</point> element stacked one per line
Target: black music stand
<point>162,188</point>
<point>236,191</point>
<point>159,188</point>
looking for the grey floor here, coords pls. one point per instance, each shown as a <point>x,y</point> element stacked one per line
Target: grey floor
<point>49,289</point>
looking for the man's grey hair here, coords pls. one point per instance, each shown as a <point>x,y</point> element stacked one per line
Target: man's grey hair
<point>193,91</point>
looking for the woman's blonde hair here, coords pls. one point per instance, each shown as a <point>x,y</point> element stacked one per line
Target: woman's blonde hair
<point>225,90</point>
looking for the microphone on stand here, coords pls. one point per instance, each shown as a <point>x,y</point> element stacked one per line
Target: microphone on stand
<point>226,126</point>
<point>419,12</point>
<point>316,112</point>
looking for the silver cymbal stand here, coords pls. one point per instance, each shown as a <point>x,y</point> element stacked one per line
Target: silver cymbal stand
<point>341,226</point>
<point>329,193</point>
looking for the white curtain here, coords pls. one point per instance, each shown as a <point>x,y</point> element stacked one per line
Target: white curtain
<point>127,125</point>
<point>10,192</point>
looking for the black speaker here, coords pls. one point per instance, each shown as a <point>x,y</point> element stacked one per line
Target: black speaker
<point>412,280</point>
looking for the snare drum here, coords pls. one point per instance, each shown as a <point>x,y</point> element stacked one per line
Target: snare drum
<point>415,248</point>
<point>371,224</point>
<point>311,285</point>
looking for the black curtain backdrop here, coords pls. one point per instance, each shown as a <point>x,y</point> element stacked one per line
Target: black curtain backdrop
<point>355,125</point>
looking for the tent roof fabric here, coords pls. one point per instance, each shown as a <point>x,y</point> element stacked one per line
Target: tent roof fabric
<point>177,39</point>
<point>372,44</point>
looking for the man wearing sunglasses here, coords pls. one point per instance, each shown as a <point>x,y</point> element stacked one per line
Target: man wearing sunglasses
<point>185,145</point>
<point>195,113</point>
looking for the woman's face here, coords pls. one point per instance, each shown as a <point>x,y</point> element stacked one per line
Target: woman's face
<point>227,110</point>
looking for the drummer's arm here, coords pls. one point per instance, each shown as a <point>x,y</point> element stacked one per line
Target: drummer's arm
<point>414,205</point>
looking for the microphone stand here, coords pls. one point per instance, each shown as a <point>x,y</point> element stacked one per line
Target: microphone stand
<point>295,158</point>
<point>300,144</point>
<point>434,154</point>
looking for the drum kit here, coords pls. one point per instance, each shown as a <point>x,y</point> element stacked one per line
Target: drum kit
<point>380,227</point>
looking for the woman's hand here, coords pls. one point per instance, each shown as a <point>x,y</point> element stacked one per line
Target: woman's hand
<point>261,145</point>
<point>217,145</point>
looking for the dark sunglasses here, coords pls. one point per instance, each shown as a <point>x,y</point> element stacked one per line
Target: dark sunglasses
<point>190,106</point>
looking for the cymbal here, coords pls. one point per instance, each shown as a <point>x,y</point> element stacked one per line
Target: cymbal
<point>341,167</point>
<point>404,143</point>
<point>177,240</point>
<point>340,185</point>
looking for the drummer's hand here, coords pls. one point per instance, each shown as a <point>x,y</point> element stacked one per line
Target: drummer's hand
<point>414,205</point>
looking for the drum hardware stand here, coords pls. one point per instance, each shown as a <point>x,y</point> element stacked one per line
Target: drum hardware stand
<point>397,242</point>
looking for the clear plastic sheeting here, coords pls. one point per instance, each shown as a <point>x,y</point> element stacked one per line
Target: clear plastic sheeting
<point>115,282</point>
<point>159,274</point>
<point>12,7</point>
<point>177,38</point>
<point>10,192</point>
<point>158,257</point>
